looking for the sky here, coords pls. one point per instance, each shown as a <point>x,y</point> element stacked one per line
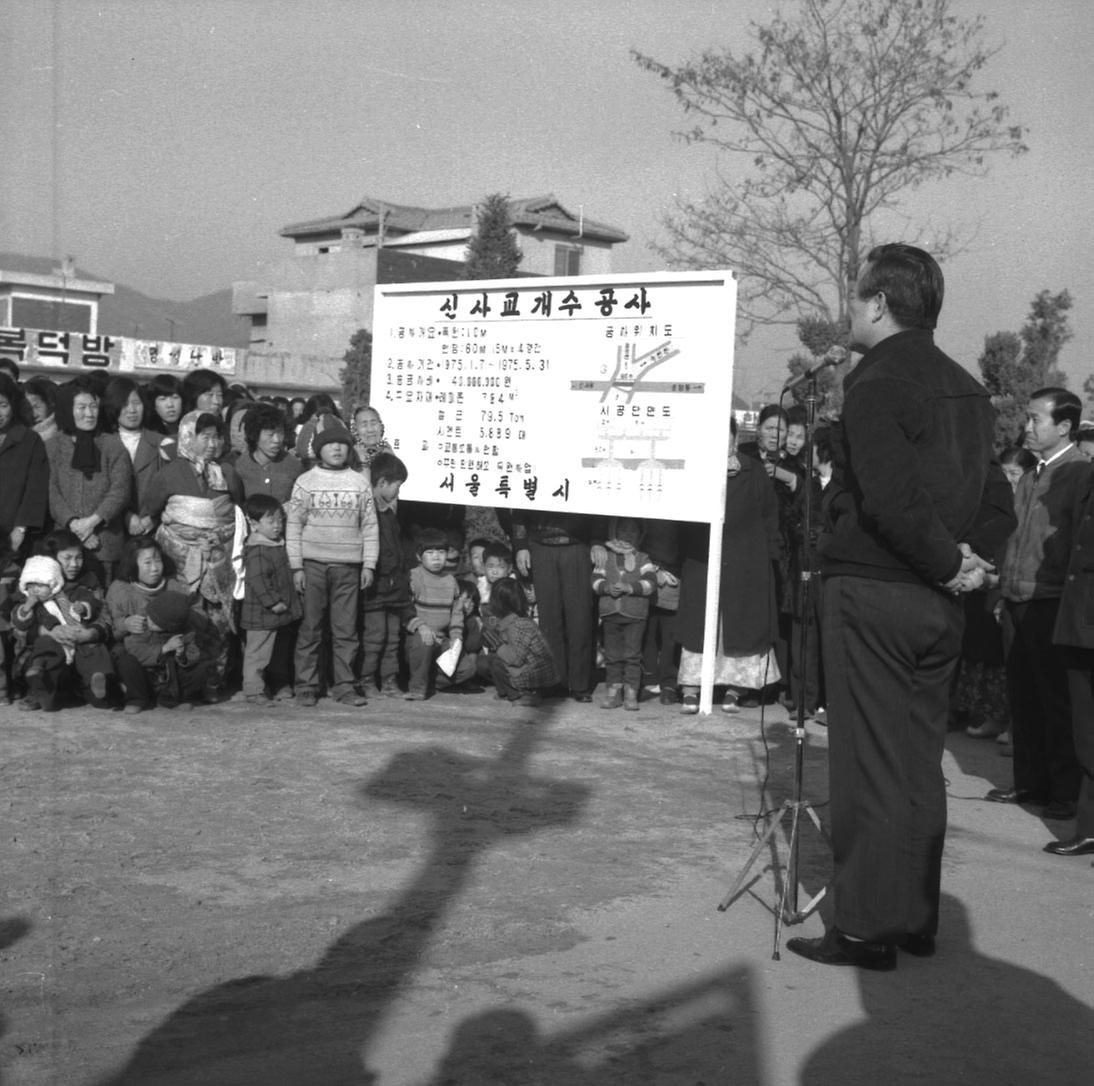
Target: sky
<point>164,143</point>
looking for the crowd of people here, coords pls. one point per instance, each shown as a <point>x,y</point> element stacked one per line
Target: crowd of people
<point>180,541</point>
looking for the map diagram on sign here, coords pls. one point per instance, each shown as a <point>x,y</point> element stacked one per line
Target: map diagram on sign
<point>631,427</point>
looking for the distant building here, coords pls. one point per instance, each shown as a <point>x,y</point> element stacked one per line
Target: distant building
<point>304,309</point>
<point>58,298</point>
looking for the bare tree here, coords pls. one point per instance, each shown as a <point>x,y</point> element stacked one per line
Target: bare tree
<point>844,107</point>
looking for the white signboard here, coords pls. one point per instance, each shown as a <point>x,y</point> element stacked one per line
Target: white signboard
<point>606,395</point>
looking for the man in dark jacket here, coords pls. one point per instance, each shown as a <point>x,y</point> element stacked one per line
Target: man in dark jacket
<point>924,501</point>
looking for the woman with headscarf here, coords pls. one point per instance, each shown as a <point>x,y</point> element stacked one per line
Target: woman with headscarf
<point>368,436</point>
<point>194,499</point>
<point>90,476</point>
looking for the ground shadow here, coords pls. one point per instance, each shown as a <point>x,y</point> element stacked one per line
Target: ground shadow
<point>1015,1025</point>
<point>12,929</point>
<point>699,1033</point>
<point>312,1026</point>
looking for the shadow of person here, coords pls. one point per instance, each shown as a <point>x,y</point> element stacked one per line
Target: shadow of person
<point>701,1032</point>
<point>12,929</point>
<point>313,1027</point>
<point>960,1017</point>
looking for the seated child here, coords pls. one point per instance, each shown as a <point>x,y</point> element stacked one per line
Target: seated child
<point>463,678</point>
<point>174,661</point>
<point>385,601</point>
<point>271,604</point>
<point>497,564</point>
<point>521,663</point>
<point>624,585</point>
<point>476,555</point>
<point>436,615</point>
<point>142,574</point>
<point>60,637</point>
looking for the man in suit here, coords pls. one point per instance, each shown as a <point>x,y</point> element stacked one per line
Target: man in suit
<point>1032,581</point>
<point>924,503</point>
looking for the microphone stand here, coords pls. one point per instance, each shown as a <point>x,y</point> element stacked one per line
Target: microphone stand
<point>787,910</point>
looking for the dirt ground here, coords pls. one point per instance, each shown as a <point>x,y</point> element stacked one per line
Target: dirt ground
<point>459,892</point>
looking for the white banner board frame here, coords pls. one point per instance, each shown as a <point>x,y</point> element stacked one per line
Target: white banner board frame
<point>596,394</point>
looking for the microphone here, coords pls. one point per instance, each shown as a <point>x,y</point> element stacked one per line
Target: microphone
<point>832,357</point>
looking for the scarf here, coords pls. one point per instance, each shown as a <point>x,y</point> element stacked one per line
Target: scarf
<point>209,470</point>
<point>86,457</point>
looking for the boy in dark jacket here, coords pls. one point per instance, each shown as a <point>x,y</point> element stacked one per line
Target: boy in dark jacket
<point>271,604</point>
<point>385,601</point>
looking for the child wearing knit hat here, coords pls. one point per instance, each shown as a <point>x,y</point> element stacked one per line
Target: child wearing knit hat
<point>59,640</point>
<point>332,540</point>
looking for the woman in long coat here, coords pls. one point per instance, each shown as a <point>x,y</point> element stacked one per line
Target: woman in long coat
<point>748,618</point>
<point>24,471</point>
<point>90,476</point>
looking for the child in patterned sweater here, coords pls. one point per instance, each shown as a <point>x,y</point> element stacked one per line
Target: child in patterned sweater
<point>333,544</point>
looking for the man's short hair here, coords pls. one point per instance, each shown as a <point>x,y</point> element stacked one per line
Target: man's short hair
<point>773,410</point>
<point>1066,406</point>
<point>387,466</point>
<point>911,281</point>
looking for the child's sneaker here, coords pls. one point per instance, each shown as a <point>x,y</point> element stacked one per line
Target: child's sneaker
<point>98,686</point>
<point>260,699</point>
<point>389,688</point>
<point>306,699</point>
<point>414,695</point>
<point>132,708</point>
<point>286,693</point>
<point>29,705</point>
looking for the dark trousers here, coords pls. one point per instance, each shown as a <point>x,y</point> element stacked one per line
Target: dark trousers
<point>330,602</point>
<point>1037,686</point>
<point>1080,678</point>
<point>380,631</point>
<point>146,686</point>
<point>622,636</point>
<point>563,580</point>
<point>805,672</point>
<point>420,658</point>
<point>499,672</point>
<point>660,649</point>
<point>48,670</point>
<point>889,651</point>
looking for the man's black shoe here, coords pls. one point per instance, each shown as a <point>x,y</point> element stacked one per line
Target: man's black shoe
<point>836,949</point>
<point>919,946</point>
<point>1014,795</point>
<point>1059,811</point>
<point>1076,846</point>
